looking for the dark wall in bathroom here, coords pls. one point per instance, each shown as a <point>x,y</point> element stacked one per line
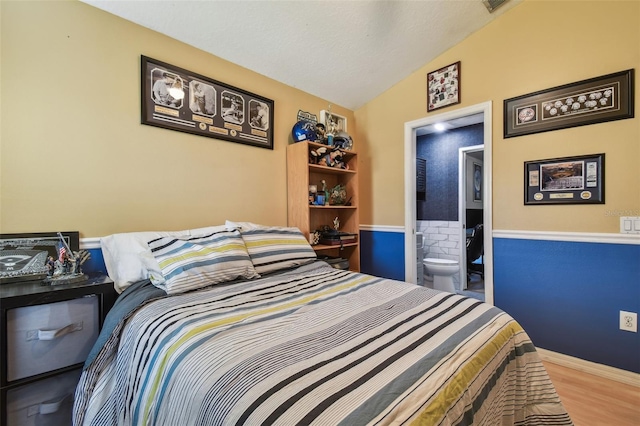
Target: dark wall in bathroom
<point>440,150</point>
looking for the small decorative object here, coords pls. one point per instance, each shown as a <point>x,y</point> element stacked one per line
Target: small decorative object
<point>343,141</point>
<point>68,267</point>
<point>333,122</point>
<point>335,236</point>
<point>443,87</point>
<point>316,155</point>
<point>313,190</point>
<point>321,131</point>
<point>328,157</point>
<point>325,191</point>
<point>177,99</point>
<point>307,116</point>
<point>47,257</point>
<point>569,180</point>
<point>304,131</point>
<point>600,99</point>
<point>338,195</point>
<point>314,238</point>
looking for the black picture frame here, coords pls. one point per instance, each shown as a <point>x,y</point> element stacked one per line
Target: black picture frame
<point>477,182</point>
<point>596,100</point>
<point>566,180</point>
<point>24,255</point>
<point>177,99</point>
<point>443,87</point>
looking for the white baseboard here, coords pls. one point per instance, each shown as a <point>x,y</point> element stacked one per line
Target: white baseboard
<point>611,373</point>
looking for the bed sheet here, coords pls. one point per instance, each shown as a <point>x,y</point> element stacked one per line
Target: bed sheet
<point>321,346</point>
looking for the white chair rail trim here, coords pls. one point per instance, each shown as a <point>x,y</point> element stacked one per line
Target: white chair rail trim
<point>382,228</point>
<point>90,243</point>
<point>581,237</point>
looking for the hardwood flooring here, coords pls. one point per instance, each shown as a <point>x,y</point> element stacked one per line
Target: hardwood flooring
<point>593,400</point>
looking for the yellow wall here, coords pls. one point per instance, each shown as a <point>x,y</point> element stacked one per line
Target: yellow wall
<point>74,156</point>
<point>534,46</point>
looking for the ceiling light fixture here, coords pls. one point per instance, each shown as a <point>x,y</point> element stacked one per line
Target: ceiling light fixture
<point>439,127</point>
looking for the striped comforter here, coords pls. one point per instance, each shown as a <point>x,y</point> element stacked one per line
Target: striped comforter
<point>319,346</point>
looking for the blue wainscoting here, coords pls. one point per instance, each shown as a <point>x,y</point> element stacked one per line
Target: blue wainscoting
<point>568,296</point>
<point>382,254</point>
<point>95,264</point>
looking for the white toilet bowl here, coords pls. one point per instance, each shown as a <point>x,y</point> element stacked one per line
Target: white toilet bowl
<point>442,271</point>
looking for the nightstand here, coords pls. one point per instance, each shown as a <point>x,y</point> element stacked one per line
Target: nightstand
<point>46,333</point>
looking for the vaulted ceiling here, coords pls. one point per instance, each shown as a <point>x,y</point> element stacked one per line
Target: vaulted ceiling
<point>347,52</point>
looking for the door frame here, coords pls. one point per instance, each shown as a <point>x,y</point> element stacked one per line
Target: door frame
<point>410,132</point>
<point>463,158</point>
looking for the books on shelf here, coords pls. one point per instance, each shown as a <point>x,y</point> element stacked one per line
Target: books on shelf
<point>338,238</point>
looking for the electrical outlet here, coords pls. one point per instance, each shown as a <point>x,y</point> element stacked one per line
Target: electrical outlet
<point>629,321</point>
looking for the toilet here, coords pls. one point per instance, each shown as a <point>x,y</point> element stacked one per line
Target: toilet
<point>442,271</point>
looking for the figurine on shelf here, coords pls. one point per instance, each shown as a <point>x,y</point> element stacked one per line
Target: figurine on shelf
<point>338,195</point>
<point>336,223</point>
<point>325,191</point>
<point>321,132</point>
<point>68,267</point>
<point>314,238</point>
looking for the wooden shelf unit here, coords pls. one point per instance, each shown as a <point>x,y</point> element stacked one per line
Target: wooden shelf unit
<point>308,218</point>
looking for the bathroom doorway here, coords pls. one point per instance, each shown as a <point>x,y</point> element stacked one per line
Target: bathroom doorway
<point>412,130</point>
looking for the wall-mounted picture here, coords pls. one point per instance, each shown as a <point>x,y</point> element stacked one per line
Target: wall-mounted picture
<point>443,87</point>
<point>176,99</point>
<point>568,180</point>
<point>597,100</point>
<point>477,182</point>
<point>333,122</point>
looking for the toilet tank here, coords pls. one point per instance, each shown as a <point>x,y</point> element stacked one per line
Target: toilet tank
<point>419,257</point>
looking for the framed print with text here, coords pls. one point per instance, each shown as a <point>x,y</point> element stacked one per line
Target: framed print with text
<point>568,180</point>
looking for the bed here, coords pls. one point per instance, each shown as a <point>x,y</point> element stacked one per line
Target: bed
<point>300,343</point>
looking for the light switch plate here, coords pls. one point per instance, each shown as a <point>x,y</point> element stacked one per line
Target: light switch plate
<point>630,224</point>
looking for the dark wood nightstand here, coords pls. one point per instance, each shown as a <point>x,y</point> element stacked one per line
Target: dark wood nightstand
<point>46,333</point>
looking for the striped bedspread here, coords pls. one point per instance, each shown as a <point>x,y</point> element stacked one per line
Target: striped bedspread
<point>317,346</point>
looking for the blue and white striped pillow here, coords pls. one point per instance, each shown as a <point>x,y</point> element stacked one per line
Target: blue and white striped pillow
<point>274,248</point>
<point>193,263</point>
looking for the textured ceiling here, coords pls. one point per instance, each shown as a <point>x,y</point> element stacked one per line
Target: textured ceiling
<point>347,52</point>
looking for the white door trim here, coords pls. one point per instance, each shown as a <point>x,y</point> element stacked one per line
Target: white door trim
<point>462,205</point>
<point>410,129</point>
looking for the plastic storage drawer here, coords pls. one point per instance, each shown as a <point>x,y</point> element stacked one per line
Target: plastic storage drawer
<point>43,338</point>
<point>45,402</point>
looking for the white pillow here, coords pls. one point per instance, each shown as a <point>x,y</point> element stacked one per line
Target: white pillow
<point>242,226</point>
<point>128,257</point>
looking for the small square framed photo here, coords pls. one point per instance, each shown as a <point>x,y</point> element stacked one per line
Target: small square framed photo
<point>443,87</point>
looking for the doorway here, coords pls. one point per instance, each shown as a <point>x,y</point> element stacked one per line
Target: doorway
<point>411,131</point>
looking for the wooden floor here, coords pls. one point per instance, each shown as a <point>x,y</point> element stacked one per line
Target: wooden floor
<point>593,400</point>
